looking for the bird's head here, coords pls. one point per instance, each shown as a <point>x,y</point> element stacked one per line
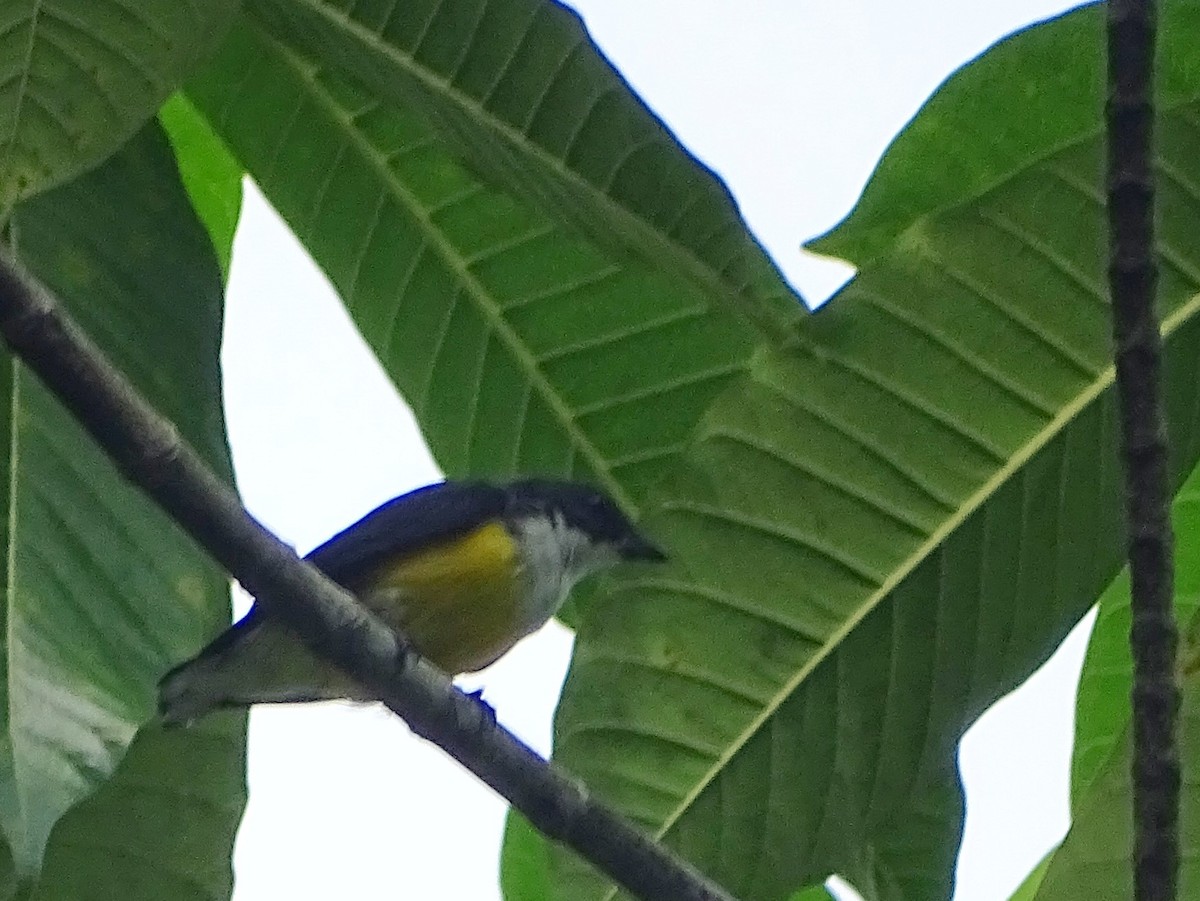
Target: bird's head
<point>588,513</point>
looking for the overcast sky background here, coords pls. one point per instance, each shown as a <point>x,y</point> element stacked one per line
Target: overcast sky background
<point>791,102</point>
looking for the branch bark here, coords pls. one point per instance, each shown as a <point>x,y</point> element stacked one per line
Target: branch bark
<point>1132,279</point>
<point>150,453</point>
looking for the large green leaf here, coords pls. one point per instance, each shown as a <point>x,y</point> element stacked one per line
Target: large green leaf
<point>102,593</point>
<point>79,77</point>
<point>518,88</point>
<point>521,346</point>
<point>886,528</point>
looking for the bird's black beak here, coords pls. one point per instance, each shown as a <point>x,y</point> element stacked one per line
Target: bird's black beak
<point>634,547</point>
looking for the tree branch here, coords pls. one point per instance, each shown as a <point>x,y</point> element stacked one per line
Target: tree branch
<point>1132,279</point>
<point>150,453</point>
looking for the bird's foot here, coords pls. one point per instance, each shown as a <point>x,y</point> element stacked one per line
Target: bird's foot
<point>488,711</point>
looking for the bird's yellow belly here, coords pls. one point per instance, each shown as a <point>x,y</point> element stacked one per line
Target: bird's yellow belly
<point>458,602</point>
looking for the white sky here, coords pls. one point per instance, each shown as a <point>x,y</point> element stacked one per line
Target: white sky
<point>792,101</point>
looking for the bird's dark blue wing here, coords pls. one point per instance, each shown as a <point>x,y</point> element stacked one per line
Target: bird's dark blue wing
<point>407,524</point>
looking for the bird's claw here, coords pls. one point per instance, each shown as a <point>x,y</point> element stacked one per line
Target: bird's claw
<point>489,712</point>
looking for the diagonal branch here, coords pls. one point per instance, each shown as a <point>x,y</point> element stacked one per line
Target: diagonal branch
<point>1132,278</point>
<point>150,453</point>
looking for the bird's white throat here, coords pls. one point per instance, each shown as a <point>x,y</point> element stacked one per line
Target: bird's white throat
<point>554,556</point>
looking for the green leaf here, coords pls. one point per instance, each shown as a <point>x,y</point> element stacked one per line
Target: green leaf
<point>880,532</point>
<point>178,795</point>
<point>1017,88</point>
<point>1094,860</point>
<point>520,91</point>
<point>8,873</point>
<point>102,593</point>
<point>1103,711</point>
<point>79,77</point>
<point>520,346</point>
<point>524,861</point>
<point>212,176</point>
<point>812,893</point>
<point>1028,889</point>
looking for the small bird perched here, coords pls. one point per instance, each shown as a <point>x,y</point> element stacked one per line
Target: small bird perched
<point>464,570</point>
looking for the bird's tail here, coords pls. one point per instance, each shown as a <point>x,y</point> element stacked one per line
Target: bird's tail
<point>186,692</point>
<point>256,661</point>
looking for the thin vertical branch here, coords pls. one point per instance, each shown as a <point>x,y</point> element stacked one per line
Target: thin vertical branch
<point>1132,278</point>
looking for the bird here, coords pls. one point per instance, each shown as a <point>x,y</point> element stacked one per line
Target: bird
<point>462,569</point>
